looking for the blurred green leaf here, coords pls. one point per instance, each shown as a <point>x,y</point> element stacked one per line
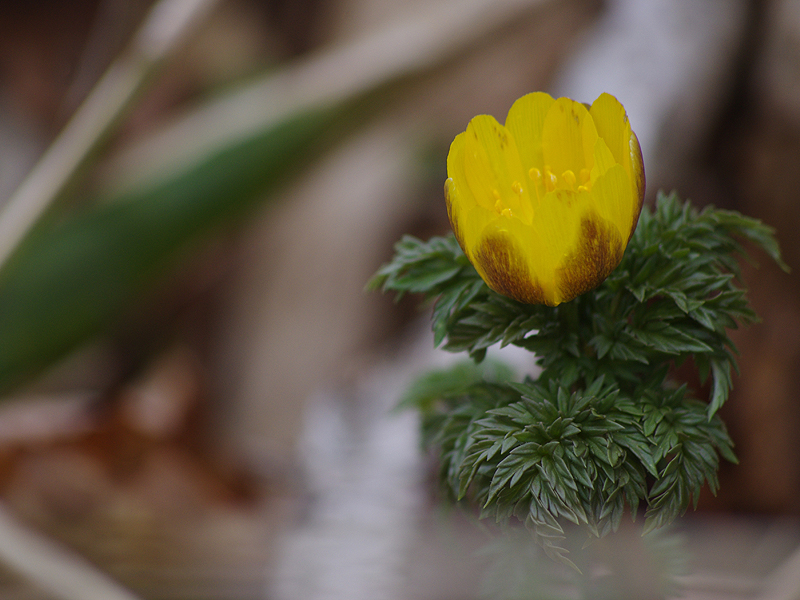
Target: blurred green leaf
<point>75,273</point>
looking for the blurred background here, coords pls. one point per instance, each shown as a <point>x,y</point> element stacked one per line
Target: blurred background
<point>197,391</point>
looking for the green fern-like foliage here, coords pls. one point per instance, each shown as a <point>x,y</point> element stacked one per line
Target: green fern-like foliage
<point>603,429</point>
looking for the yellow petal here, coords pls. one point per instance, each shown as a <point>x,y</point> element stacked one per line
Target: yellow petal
<point>557,226</point>
<point>636,174</point>
<point>613,198</point>
<point>501,260</point>
<point>455,212</point>
<point>568,137</point>
<point>598,252</point>
<point>613,126</point>
<point>475,222</point>
<point>525,121</point>
<point>457,193</point>
<point>456,171</point>
<point>603,159</point>
<point>493,168</point>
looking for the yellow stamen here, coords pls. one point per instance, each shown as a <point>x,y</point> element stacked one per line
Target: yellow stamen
<point>585,175</point>
<point>536,175</point>
<point>569,178</point>
<point>516,187</point>
<point>501,209</point>
<point>550,180</point>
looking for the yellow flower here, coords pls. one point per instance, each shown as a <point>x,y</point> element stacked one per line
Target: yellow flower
<point>544,206</point>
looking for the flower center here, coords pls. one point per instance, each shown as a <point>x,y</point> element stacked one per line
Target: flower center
<point>541,182</point>
<point>500,207</point>
<point>547,181</point>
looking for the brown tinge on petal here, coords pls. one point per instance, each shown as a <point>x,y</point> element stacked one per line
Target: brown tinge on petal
<point>599,253</point>
<point>505,271</point>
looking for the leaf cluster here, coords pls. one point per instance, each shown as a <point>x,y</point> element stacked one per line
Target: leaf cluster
<point>603,427</point>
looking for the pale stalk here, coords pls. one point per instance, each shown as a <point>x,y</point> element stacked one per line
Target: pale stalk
<point>164,28</point>
<point>55,569</point>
